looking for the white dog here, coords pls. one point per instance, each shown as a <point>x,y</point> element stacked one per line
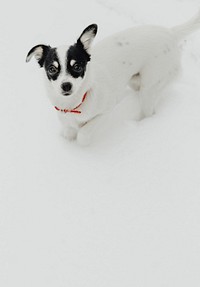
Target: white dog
<point>84,84</point>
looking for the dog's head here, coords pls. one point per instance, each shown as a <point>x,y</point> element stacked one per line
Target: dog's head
<point>66,66</point>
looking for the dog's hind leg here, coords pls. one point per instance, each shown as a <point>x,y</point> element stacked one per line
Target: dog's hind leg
<point>146,96</point>
<point>135,85</point>
<point>152,83</point>
<point>135,82</point>
<point>148,99</point>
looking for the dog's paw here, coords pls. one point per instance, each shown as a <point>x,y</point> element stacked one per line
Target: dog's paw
<point>70,134</point>
<point>83,139</point>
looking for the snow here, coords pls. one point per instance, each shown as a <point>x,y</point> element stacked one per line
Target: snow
<point>121,212</point>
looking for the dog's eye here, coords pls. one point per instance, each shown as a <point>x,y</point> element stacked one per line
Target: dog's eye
<point>52,70</point>
<point>77,68</point>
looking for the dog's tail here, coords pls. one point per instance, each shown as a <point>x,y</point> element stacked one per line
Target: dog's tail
<point>187,28</point>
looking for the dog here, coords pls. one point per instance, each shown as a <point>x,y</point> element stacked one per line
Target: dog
<point>84,83</point>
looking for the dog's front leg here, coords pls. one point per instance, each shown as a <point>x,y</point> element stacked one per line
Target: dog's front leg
<point>85,134</point>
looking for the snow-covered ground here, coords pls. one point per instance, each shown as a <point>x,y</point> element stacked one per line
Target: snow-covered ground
<point>124,212</point>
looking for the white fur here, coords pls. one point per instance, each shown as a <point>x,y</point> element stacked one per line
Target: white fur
<point>56,64</point>
<point>146,58</point>
<point>72,62</point>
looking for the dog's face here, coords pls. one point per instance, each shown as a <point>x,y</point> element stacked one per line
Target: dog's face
<point>66,66</point>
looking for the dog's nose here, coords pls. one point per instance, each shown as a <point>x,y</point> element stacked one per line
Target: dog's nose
<point>66,87</point>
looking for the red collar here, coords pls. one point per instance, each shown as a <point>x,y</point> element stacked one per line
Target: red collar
<point>75,111</point>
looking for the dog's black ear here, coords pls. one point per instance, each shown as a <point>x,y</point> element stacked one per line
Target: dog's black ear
<point>39,52</point>
<point>87,36</point>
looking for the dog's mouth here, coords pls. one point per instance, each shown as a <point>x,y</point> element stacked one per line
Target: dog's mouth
<point>66,94</point>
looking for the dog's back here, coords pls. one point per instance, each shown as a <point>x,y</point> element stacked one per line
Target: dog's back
<point>146,57</point>
<point>129,51</point>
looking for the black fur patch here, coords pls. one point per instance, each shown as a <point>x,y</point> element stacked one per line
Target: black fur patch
<point>80,56</point>
<point>49,60</point>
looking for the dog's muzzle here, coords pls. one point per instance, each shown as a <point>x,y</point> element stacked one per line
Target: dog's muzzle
<point>66,88</point>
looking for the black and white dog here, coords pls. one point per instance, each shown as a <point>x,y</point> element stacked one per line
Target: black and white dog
<point>84,84</point>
